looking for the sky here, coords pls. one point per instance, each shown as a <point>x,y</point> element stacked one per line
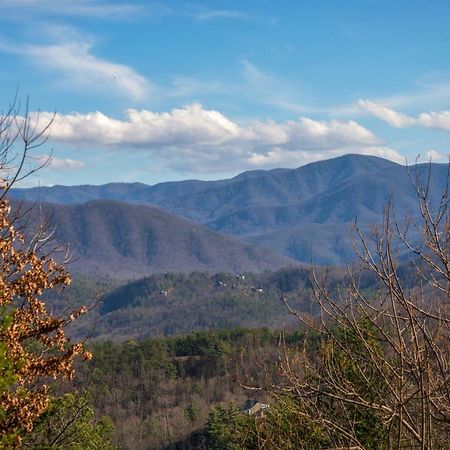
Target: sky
<point>162,91</point>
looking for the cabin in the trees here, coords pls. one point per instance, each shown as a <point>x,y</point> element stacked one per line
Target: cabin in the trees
<point>254,408</point>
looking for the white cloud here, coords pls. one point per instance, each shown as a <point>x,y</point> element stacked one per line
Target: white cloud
<point>194,125</point>
<point>277,157</point>
<point>188,126</point>
<point>39,163</point>
<point>58,164</point>
<point>273,90</point>
<point>434,155</point>
<point>209,14</point>
<point>429,92</point>
<point>433,119</point>
<point>255,75</point>
<point>79,67</point>
<point>188,87</point>
<point>195,139</point>
<point>388,115</point>
<point>88,8</point>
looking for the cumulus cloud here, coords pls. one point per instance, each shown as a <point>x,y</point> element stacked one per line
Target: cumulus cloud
<point>433,119</point>
<point>196,139</point>
<point>194,125</point>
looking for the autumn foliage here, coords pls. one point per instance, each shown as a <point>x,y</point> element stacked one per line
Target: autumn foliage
<point>34,348</point>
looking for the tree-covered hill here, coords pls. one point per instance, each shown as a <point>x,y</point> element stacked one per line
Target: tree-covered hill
<point>159,392</point>
<point>294,212</point>
<point>121,240</point>
<point>177,303</point>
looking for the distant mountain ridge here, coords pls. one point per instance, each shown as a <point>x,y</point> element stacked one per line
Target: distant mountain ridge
<point>122,240</point>
<point>304,213</point>
<point>285,183</point>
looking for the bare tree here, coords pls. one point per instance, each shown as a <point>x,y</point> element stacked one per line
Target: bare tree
<point>374,369</point>
<point>20,134</point>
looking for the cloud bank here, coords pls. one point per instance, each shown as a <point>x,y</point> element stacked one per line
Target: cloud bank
<point>196,139</point>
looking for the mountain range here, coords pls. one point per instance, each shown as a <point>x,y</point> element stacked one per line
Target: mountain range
<point>304,214</point>
<point>121,240</point>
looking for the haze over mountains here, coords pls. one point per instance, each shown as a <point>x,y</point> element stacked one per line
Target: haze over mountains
<point>303,213</point>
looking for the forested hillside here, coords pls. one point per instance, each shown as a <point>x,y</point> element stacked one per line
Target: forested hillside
<point>293,212</point>
<point>123,241</point>
<point>174,304</point>
<point>159,393</point>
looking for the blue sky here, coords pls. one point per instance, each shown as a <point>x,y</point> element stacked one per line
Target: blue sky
<point>159,91</point>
